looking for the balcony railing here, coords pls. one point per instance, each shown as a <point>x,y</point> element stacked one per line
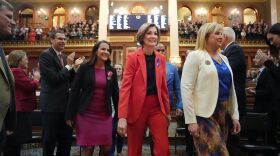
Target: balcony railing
<point>46,43</point>
<point>90,43</point>
<point>243,43</point>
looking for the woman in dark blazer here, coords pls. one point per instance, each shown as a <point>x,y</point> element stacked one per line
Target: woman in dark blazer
<point>25,89</point>
<point>90,104</point>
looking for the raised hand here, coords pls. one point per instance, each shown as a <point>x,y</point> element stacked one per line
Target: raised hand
<point>70,58</point>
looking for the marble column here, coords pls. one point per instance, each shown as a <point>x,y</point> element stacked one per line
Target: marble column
<point>103,19</point>
<point>174,36</point>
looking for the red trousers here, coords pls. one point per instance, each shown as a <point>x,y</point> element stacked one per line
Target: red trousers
<point>155,120</point>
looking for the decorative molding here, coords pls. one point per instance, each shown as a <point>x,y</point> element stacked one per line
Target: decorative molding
<point>242,43</point>
<point>121,39</point>
<point>164,38</point>
<point>46,44</point>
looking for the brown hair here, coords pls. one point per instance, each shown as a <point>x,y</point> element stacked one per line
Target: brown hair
<point>93,56</point>
<point>143,30</point>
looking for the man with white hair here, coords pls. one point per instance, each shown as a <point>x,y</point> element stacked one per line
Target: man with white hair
<point>236,59</point>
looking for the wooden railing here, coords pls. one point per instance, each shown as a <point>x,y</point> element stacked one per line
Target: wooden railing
<point>46,43</point>
<point>242,43</point>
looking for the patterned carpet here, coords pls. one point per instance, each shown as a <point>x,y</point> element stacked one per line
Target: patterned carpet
<point>36,150</point>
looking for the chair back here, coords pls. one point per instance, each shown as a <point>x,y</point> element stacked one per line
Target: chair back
<point>256,123</point>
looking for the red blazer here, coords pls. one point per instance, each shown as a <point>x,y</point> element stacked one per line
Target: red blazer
<point>25,91</point>
<point>134,85</point>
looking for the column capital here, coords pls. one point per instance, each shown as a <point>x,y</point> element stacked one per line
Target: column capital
<point>175,60</point>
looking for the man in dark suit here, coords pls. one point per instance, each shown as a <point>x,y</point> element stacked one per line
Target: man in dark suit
<point>236,59</point>
<point>267,98</point>
<point>56,74</point>
<point>7,94</point>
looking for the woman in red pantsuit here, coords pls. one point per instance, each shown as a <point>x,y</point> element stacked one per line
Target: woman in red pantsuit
<point>143,97</point>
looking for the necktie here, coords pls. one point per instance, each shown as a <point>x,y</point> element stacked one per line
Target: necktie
<point>61,60</point>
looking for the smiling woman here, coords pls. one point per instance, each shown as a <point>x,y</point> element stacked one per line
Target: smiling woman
<point>143,96</point>
<point>93,93</point>
<point>209,95</point>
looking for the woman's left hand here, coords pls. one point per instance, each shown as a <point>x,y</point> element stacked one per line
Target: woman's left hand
<point>236,127</point>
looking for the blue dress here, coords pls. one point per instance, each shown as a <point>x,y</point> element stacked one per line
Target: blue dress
<point>213,131</point>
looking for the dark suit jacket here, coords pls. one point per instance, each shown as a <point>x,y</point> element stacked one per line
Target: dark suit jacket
<point>237,62</point>
<point>275,70</point>
<point>7,95</point>
<point>25,91</point>
<point>83,87</point>
<point>55,82</point>
<point>267,98</point>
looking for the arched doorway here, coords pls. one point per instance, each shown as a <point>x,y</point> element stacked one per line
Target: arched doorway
<point>185,14</point>
<point>26,17</point>
<point>92,14</point>
<point>250,15</point>
<point>217,14</point>
<point>58,17</point>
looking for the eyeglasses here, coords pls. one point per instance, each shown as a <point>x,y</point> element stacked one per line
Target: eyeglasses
<point>160,50</point>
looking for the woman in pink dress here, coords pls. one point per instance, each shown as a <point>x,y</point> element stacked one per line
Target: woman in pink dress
<point>90,104</point>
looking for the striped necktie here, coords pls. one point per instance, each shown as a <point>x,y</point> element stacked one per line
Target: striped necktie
<point>61,60</point>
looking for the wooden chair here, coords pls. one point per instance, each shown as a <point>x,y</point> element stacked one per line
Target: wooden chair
<point>257,124</point>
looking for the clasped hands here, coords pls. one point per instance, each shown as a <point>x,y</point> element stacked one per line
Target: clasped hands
<point>263,57</point>
<point>74,63</point>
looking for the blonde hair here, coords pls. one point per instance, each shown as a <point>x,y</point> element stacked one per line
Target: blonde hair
<point>204,32</point>
<point>143,30</point>
<point>15,57</point>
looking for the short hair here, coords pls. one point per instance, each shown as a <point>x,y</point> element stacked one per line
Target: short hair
<point>5,4</point>
<point>15,57</point>
<point>143,30</point>
<point>54,32</point>
<point>204,32</point>
<point>229,32</point>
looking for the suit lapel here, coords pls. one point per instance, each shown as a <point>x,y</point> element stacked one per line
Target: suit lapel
<point>2,68</point>
<point>158,68</point>
<point>226,50</point>
<point>142,62</point>
<point>91,75</point>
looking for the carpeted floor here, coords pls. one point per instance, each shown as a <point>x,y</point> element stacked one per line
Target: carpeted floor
<point>36,150</point>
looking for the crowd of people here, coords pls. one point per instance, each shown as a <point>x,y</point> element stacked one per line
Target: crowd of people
<point>78,30</point>
<point>188,30</point>
<point>98,100</point>
<point>250,31</point>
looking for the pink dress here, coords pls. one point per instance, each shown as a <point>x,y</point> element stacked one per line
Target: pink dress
<point>94,126</point>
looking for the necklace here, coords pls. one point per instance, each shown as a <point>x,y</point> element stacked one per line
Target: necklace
<point>218,59</point>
